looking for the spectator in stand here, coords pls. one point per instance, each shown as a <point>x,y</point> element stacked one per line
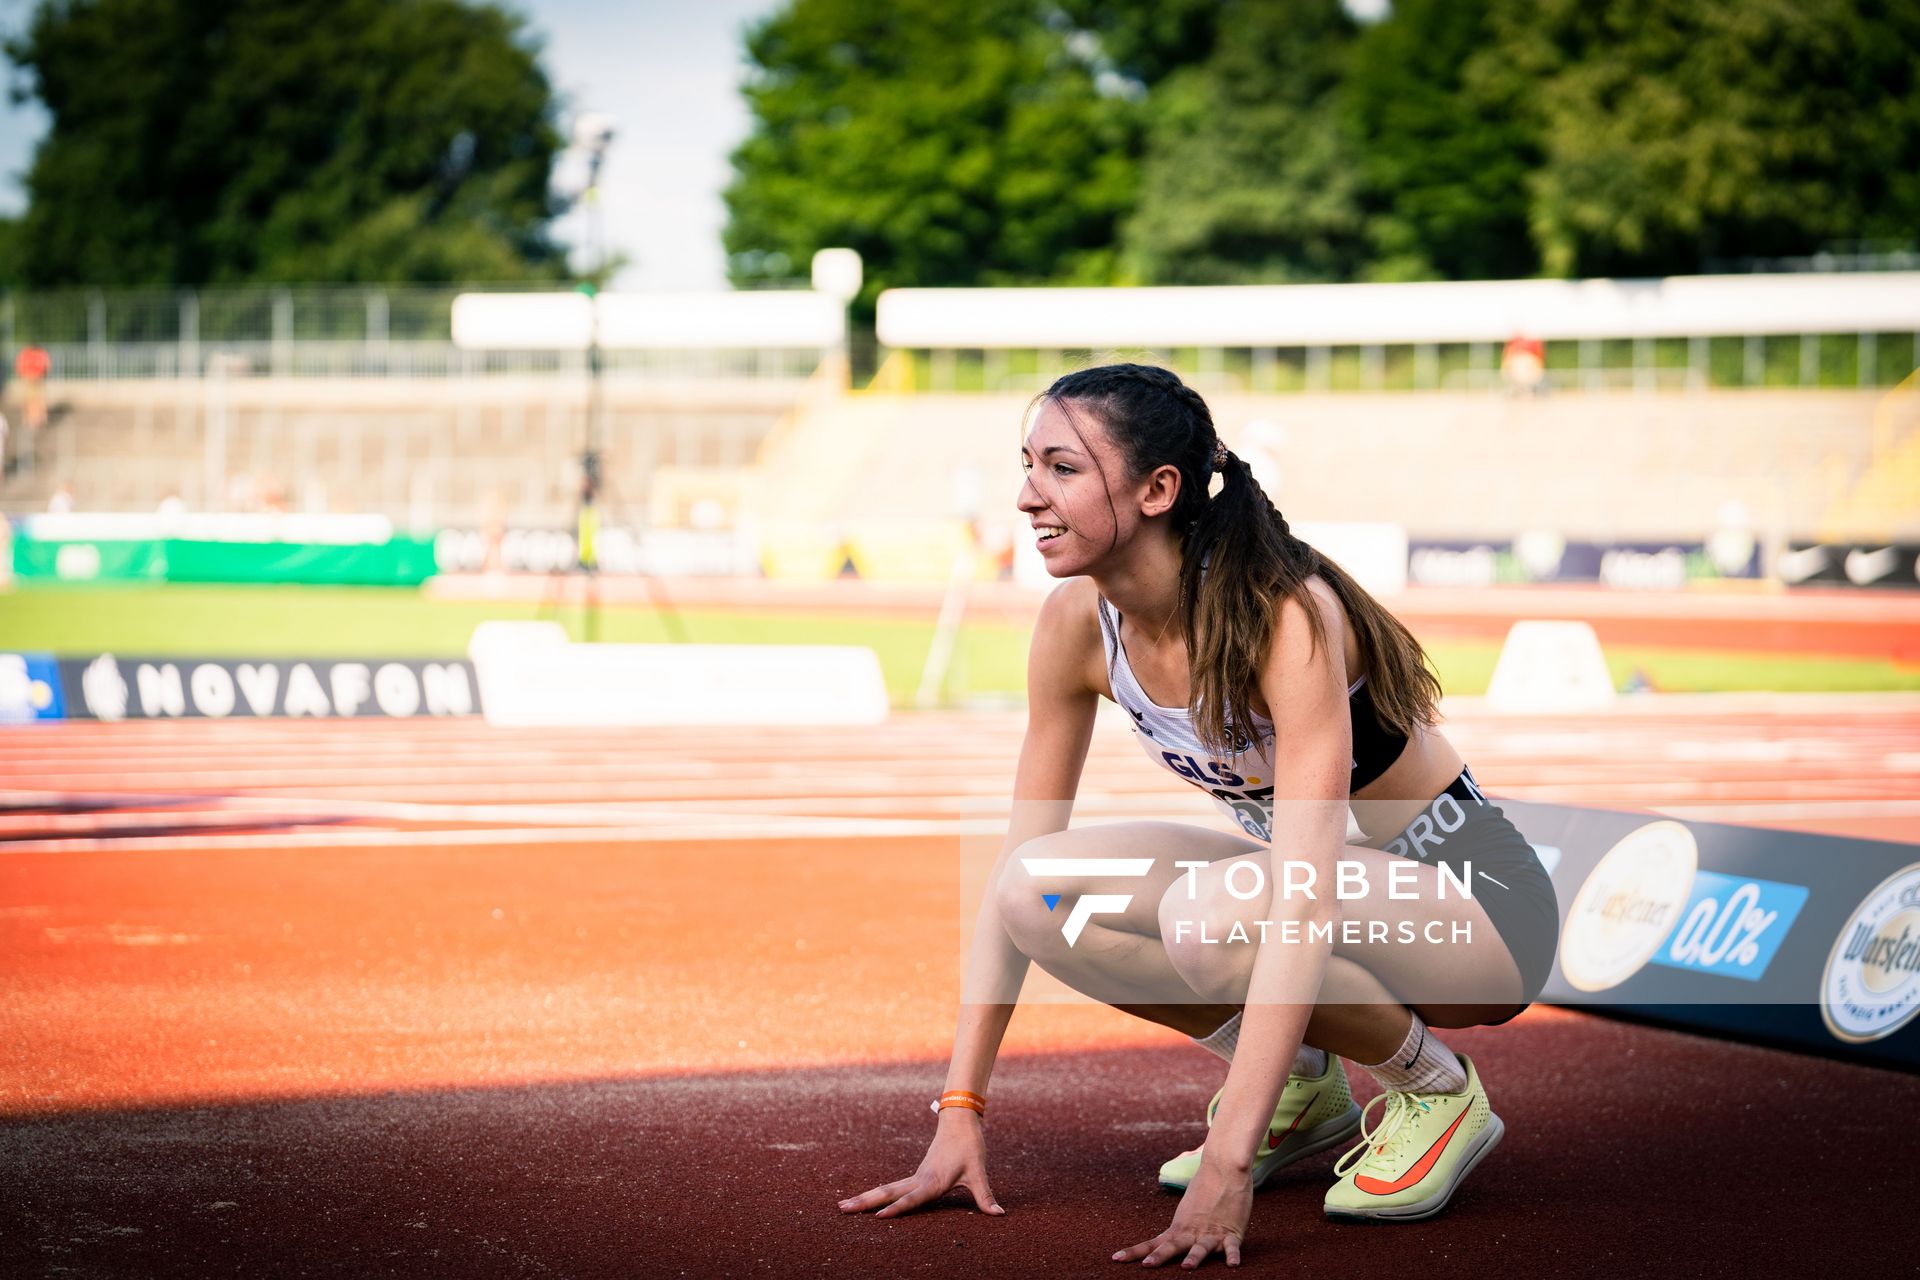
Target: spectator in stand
<point>32,366</point>
<point>1523,363</point>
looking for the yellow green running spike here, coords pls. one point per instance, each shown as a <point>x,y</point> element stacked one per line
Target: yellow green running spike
<point>1409,1163</point>
<point>1315,1113</point>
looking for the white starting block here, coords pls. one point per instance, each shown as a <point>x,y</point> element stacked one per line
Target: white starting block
<point>1550,666</point>
<point>532,676</point>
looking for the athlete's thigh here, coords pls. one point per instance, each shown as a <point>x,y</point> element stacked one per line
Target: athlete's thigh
<point>1438,946</point>
<point>1427,941</point>
<point>1161,844</point>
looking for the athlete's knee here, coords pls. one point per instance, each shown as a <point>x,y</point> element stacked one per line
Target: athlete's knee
<point>1220,894</point>
<point>1182,930</point>
<point>1209,920</point>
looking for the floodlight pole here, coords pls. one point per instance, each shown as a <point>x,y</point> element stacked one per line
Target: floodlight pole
<point>595,432</point>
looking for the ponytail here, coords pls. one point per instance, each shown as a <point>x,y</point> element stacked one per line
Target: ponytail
<point>1240,561</point>
<point>1238,564</point>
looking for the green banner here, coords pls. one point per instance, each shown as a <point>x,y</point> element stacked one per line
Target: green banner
<point>41,560</point>
<point>398,562</point>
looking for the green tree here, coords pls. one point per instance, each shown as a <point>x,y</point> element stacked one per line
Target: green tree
<point>1444,147</point>
<point>1249,172</point>
<point>222,141</point>
<point>1146,40</point>
<point>1678,131</point>
<point>951,142</point>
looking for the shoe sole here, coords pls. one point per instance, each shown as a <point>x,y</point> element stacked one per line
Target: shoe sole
<point>1329,1133</point>
<point>1486,1140</point>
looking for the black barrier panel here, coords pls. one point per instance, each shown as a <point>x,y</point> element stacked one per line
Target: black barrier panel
<point>1873,566</point>
<point>1780,937</point>
<point>108,687</point>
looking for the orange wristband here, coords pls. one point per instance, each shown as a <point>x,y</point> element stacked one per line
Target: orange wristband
<point>960,1098</point>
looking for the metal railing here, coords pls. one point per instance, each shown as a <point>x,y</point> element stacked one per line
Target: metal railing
<point>1812,361</point>
<point>406,332</point>
<point>313,332</point>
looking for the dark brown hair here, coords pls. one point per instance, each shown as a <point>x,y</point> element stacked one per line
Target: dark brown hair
<point>1251,560</point>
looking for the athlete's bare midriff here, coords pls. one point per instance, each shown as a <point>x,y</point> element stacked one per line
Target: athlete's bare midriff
<point>1382,808</point>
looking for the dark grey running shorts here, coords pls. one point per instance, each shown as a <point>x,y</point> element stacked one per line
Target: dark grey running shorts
<point>1462,826</point>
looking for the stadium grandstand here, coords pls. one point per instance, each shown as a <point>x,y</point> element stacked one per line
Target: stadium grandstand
<point>1664,409</point>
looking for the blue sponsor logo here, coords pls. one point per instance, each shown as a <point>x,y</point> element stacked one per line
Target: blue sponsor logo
<point>29,688</point>
<point>1732,925</point>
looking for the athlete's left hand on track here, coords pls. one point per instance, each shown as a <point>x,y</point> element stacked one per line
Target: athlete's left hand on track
<point>1212,1218</point>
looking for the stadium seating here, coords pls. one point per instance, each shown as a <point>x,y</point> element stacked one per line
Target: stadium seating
<point>791,456</point>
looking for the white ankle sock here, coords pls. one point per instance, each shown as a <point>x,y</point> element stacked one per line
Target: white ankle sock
<point>1421,1065</point>
<point>1224,1039</point>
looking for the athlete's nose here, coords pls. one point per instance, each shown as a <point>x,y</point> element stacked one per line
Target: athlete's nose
<point>1029,499</point>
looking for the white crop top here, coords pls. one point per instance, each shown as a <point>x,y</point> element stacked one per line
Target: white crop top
<point>1241,783</point>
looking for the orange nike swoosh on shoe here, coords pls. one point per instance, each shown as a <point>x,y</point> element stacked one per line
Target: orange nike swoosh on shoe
<point>1274,1140</point>
<point>1375,1187</point>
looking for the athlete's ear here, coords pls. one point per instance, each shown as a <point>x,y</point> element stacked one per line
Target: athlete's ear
<point>1162,491</point>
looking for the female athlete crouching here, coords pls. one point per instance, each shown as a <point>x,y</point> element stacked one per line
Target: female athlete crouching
<point>1259,671</point>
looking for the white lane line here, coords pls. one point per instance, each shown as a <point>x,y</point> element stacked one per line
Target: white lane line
<point>719,828</point>
<point>665,833</point>
<point>1799,809</point>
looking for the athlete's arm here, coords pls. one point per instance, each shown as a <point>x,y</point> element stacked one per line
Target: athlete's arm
<point>1305,685</point>
<point>1061,704</point>
<point>1060,710</point>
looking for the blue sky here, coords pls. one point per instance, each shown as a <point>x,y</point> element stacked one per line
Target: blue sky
<point>666,70</point>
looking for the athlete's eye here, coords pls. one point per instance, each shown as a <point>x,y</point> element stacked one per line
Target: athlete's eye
<point>1062,469</point>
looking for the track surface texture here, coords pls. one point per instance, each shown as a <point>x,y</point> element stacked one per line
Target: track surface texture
<point>319,999</point>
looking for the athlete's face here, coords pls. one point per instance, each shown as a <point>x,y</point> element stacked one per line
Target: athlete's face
<point>1077,517</point>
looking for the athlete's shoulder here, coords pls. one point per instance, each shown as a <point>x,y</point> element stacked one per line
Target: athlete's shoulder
<point>1066,636</point>
<point>1072,607</point>
<point>1326,602</point>
<point>1302,623</point>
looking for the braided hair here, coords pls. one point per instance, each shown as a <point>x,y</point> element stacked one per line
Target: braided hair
<point>1239,558</point>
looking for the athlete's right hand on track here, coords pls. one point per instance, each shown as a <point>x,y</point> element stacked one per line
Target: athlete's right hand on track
<point>957,1157</point>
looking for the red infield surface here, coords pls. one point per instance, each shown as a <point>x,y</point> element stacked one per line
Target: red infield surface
<point>437,999</point>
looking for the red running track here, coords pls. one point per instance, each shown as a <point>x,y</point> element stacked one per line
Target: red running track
<point>452,1001</point>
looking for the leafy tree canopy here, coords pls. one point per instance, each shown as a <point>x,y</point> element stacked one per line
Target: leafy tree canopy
<point>227,141</point>
<point>1442,147</point>
<point>949,141</point>
<point>1678,131</point>
<point>1241,140</point>
<point>1248,173</point>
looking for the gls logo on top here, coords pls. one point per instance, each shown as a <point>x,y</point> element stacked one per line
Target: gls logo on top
<point>1731,926</point>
